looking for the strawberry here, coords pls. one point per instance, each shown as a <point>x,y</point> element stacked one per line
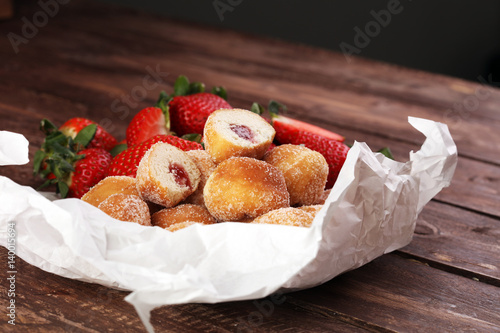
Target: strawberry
<point>102,139</point>
<point>189,106</point>
<point>297,132</point>
<point>66,162</point>
<point>288,126</point>
<point>126,162</point>
<point>89,171</point>
<point>188,114</point>
<point>146,124</point>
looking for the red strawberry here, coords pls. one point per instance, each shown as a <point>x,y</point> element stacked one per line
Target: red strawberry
<point>297,132</point>
<point>125,163</point>
<point>66,162</point>
<point>102,139</point>
<point>188,114</point>
<point>88,171</point>
<point>288,126</point>
<point>146,124</point>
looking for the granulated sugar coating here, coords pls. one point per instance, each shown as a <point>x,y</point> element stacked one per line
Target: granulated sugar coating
<point>167,217</point>
<point>312,209</point>
<point>305,172</point>
<point>206,166</point>
<point>166,175</point>
<point>286,216</point>
<point>323,197</point>
<point>109,186</point>
<point>126,207</point>
<point>242,187</point>
<point>179,226</point>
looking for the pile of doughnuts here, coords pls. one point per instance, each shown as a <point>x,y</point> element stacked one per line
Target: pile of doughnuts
<point>238,178</point>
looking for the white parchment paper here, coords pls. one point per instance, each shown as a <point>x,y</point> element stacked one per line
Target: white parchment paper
<point>13,148</point>
<point>372,210</point>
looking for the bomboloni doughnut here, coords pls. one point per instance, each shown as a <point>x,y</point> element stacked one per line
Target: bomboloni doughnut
<point>312,209</point>
<point>109,186</point>
<point>305,172</point>
<point>236,132</point>
<point>179,226</point>
<point>126,207</point>
<point>324,196</point>
<point>167,217</point>
<point>286,216</point>
<point>166,175</point>
<point>244,187</point>
<point>206,166</point>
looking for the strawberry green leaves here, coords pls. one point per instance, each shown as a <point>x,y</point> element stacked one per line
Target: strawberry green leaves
<point>182,87</point>
<point>58,153</point>
<point>274,108</point>
<point>86,135</point>
<point>386,151</point>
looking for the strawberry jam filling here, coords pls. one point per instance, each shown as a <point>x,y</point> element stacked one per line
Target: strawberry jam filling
<point>180,174</point>
<point>243,132</point>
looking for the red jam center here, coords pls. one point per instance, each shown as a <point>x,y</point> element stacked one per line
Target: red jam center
<point>180,174</point>
<point>243,132</point>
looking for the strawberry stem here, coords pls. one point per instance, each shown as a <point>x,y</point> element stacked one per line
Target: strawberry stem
<point>162,103</point>
<point>219,91</point>
<point>386,151</point>
<point>181,86</point>
<point>58,154</point>
<point>118,149</point>
<point>85,135</point>
<point>257,108</point>
<point>192,137</point>
<point>275,107</point>
<point>195,88</point>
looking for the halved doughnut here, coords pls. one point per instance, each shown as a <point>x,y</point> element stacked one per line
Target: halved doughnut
<point>166,175</point>
<point>237,132</point>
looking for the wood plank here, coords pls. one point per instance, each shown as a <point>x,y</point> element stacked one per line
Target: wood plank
<point>284,71</point>
<point>49,303</point>
<point>6,9</point>
<point>422,299</point>
<point>458,241</point>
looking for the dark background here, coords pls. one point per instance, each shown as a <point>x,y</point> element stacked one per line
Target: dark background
<point>456,38</point>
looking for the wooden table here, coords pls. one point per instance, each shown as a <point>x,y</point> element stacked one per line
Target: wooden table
<point>93,60</point>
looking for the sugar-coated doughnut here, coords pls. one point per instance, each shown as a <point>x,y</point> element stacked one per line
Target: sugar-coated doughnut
<point>179,226</point>
<point>206,166</point>
<point>168,217</point>
<point>304,169</point>
<point>312,209</point>
<point>126,207</point>
<point>236,132</point>
<point>242,187</point>
<point>109,186</point>
<point>166,175</point>
<point>323,197</point>
<point>286,216</point>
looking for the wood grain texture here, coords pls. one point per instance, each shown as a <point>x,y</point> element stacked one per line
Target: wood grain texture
<point>87,62</point>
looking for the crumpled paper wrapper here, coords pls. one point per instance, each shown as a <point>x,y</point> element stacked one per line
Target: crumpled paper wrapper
<point>13,149</point>
<point>372,210</point>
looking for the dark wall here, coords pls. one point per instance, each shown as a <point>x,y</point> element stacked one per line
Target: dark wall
<point>457,38</point>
